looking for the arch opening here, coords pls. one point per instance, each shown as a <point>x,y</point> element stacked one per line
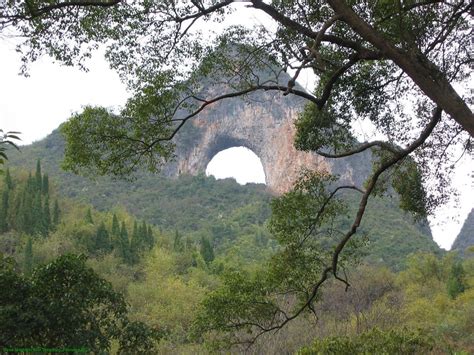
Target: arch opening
<point>239,163</point>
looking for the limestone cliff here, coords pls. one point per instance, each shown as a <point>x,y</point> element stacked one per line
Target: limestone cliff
<point>264,123</point>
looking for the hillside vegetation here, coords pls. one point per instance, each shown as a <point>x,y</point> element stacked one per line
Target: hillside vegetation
<point>221,210</point>
<point>465,238</point>
<point>169,277</point>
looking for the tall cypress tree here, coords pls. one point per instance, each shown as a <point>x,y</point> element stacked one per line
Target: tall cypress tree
<point>102,241</point>
<point>207,252</point>
<point>135,234</point>
<point>19,217</point>
<point>123,244</point>
<point>30,183</point>
<point>45,185</point>
<point>46,215</point>
<point>37,215</point>
<point>27,209</point>
<point>115,233</point>
<point>115,226</point>
<point>147,239</point>
<point>8,180</point>
<point>28,256</point>
<point>38,176</point>
<point>4,212</point>
<point>135,243</point>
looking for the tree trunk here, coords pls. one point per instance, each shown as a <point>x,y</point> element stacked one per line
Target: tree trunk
<point>423,73</point>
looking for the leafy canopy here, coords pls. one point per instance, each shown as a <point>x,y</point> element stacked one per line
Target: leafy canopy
<point>65,304</point>
<point>369,57</point>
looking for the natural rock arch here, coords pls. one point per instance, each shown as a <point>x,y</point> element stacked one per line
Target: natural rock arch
<point>222,165</point>
<point>264,123</point>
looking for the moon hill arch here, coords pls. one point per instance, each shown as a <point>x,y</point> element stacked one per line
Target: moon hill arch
<point>263,123</point>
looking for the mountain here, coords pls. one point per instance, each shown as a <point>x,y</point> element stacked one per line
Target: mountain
<point>222,209</point>
<point>264,122</point>
<point>465,237</point>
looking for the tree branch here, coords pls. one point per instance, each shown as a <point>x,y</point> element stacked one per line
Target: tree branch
<point>204,11</point>
<point>417,66</point>
<point>78,3</point>
<point>332,269</point>
<point>360,149</point>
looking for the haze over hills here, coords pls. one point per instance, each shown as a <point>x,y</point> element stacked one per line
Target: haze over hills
<point>196,205</point>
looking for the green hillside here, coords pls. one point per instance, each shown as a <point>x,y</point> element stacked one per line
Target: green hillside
<point>465,238</point>
<point>63,258</point>
<point>222,210</point>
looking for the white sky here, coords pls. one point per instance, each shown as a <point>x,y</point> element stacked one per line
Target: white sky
<point>247,169</point>
<point>35,106</point>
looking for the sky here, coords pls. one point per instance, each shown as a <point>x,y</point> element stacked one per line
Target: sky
<point>37,105</point>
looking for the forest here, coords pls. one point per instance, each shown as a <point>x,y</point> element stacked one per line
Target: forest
<point>123,284</point>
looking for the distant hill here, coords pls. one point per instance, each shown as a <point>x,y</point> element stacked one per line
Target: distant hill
<point>465,237</point>
<point>198,204</point>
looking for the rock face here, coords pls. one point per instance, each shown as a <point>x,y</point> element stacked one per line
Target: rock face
<point>263,123</point>
<point>465,237</point>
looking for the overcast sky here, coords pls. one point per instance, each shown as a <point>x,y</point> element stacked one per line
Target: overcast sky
<point>36,105</point>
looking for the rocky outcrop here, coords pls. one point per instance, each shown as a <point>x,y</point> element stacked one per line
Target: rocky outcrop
<point>264,123</point>
<point>465,237</point>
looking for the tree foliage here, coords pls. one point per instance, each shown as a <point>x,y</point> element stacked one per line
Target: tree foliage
<point>25,205</point>
<point>65,304</point>
<point>7,139</point>
<point>403,341</point>
<point>348,45</point>
<point>303,224</point>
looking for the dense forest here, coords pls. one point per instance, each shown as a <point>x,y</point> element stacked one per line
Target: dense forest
<point>127,284</point>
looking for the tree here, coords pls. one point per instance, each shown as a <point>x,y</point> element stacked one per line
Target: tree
<point>147,235</point>
<point>124,244</point>
<point>396,341</point>
<point>8,180</point>
<point>135,243</point>
<point>456,284</point>
<point>370,57</point>
<point>45,185</point>
<point>46,216</point>
<point>4,212</point>
<point>38,176</point>
<point>207,252</point>
<point>36,215</point>
<point>66,304</point>
<point>102,241</point>
<point>115,226</point>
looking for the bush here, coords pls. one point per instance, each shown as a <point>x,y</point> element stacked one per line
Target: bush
<point>375,341</point>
